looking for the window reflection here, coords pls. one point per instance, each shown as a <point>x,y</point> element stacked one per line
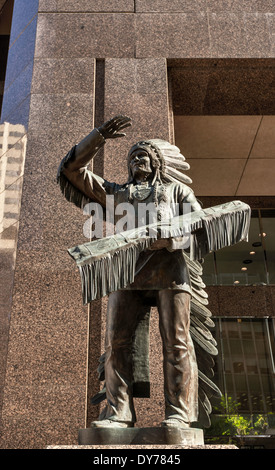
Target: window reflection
<point>251,263</point>
<point>245,366</point>
<point>268,230</point>
<point>13,141</point>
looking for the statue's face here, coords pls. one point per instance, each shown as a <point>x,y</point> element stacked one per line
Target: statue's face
<point>140,163</point>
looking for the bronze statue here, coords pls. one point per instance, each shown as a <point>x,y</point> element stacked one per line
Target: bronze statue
<point>140,271</point>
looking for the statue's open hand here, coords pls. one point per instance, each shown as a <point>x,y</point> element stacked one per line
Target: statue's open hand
<point>111,129</point>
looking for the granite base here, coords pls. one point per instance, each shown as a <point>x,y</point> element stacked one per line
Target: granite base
<point>141,436</point>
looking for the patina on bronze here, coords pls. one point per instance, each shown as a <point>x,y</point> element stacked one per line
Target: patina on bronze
<point>139,271</point>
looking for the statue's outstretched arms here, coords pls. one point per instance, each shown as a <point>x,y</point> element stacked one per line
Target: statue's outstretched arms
<point>78,184</point>
<point>192,200</point>
<point>88,147</point>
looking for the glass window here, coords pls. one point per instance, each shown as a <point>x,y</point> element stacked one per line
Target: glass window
<point>268,231</point>
<point>251,263</point>
<point>245,367</point>
<point>6,10</point>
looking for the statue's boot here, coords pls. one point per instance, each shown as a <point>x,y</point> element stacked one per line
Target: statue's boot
<point>110,423</point>
<point>174,423</point>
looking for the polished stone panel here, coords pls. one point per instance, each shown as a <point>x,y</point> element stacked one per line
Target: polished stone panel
<point>270,23</point>
<point>271,300</point>
<point>45,379</point>
<point>160,6</point>
<point>87,5</point>
<point>213,299</point>
<point>252,6</point>
<point>47,5</point>
<point>63,75</point>
<point>81,35</point>
<point>55,227</point>
<point>189,87</point>
<point>66,109</point>
<point>45,386</point>
<point>130,90</point>
<point>142,76</point>
<point>240,35</point>
<point>222,86</point>
<point>172,35</point>
<point>244,301</point>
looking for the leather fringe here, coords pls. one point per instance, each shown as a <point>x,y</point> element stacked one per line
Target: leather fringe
<point>104,269</point>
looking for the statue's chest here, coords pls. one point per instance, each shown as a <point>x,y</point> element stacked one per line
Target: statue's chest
<point>146,203</point>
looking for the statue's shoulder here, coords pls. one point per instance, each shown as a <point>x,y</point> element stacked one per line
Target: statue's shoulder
<point>120,191</point>
<point>123,188</point>
<point>179,188</point>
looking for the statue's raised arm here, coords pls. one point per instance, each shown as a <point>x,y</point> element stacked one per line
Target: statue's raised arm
<point>78,184</point>
<point>109,130</point>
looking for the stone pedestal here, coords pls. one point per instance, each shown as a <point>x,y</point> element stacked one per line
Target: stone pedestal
<point>141,436</point>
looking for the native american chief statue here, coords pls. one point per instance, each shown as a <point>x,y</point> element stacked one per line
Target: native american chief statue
<point>148,266</point>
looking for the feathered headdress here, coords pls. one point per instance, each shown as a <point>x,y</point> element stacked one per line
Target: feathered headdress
<point>167,161</point>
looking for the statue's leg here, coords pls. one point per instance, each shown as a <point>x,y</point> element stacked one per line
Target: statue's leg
<point>122,316</point>
<point>179,360</point>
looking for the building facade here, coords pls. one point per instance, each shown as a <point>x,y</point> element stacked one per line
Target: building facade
<point>199,74</point>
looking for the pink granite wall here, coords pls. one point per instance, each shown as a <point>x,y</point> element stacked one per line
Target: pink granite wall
<point>62,88</point>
